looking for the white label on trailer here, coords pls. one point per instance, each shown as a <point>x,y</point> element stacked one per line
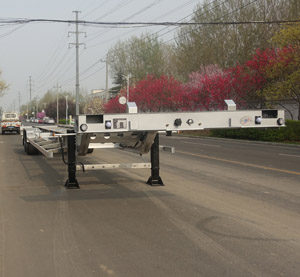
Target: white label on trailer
<point>120,123</point>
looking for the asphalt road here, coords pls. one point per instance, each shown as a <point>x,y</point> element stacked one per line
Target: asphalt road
<point>227,209</point>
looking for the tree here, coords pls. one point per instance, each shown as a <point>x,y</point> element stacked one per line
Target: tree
<point>94,106</point>
<point>280,66</point>
<point>158,94</point>
<point>207,89</point>
<point>113,105</point>
<point>51,108</point>
<point>152,94</point>
<point>139,56</point>
<point>198,89</point>
<point>3,85</point>
<point>228,45</point>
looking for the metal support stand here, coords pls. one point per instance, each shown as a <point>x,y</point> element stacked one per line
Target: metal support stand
<point>71,181</point>
<point>155,179</point>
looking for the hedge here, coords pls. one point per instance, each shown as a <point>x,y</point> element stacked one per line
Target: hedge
<point>290,133</point>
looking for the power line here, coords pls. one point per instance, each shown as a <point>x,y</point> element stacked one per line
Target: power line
<point>138,12</point>
<point>148,24</point>
<point>130,46</point>
<point>54,56</point>
<point>151,36</point>
<point>155,2</point>
<point>12,31</point>
<point>161,16</point>
<point>223,16</point>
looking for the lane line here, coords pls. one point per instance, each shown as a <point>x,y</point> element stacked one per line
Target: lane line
<point>240,163</point>
<point>197,143</point>
<point>289,155</point>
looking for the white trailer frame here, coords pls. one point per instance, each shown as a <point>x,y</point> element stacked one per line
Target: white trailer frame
<point>135,131</point>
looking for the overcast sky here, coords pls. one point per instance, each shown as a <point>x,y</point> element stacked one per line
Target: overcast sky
<point>41,50</point>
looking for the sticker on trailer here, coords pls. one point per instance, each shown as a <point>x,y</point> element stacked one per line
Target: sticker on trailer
<point>120,123</point>
<point>246,121</point>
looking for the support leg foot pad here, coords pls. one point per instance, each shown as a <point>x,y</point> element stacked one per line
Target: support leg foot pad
<point>72,185</point>
<point>155,182</point>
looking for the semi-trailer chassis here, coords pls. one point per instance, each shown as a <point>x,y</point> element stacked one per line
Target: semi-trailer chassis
<point>136,131</point>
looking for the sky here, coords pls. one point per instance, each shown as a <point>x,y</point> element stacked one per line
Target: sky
<point>45,52</point>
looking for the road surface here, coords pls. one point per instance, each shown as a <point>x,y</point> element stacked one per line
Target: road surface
<point>228,209</point>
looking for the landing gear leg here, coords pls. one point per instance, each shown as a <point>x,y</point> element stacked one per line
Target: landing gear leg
<point>155,179</point>
<point>71,182</point>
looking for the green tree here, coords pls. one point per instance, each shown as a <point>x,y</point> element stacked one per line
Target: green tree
<point>228,45</point>
<point>3,85</point>
<point>94,106</point>
<point>283,73</point>
<point>139,56</point>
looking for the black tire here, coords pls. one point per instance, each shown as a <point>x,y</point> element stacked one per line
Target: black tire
<point>3,132</point>
<point>31,150</point>
<point>24,139</point>
<point>90,150</point>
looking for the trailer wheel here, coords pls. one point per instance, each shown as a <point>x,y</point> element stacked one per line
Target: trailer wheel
<point>31,150</point>
<point>24,138</point>
<point>90,151</point>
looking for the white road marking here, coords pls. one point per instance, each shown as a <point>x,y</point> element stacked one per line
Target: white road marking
<point>288,155</point>
<point>212,145</point>
<point>239,163</point>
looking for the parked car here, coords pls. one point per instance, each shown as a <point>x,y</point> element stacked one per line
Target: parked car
<point>46,118</point>
<point>51,121</point>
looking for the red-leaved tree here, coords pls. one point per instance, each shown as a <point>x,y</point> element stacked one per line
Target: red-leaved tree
<point>113,105</point>
<point>152,95</point>
<point>207,91</point>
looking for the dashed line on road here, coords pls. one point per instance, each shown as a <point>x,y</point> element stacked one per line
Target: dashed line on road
<point>240,163</point>
<point>289,155</point>
<point>205,144</point>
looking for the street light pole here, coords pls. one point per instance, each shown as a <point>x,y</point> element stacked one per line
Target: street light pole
<point>128,79</point>
<point>57,87</point>
<point>37,105</point>
<point>67,108</point>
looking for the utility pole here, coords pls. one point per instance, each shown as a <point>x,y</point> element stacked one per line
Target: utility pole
<point>106,78</point>
<point>77,44</point>
<point>106,82</point>
<point>57,87</point>
<point>37,104</point>
<point>30,90</point>
<point>128,80</point>
<point>66,109</point>
<point>19,102</point>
